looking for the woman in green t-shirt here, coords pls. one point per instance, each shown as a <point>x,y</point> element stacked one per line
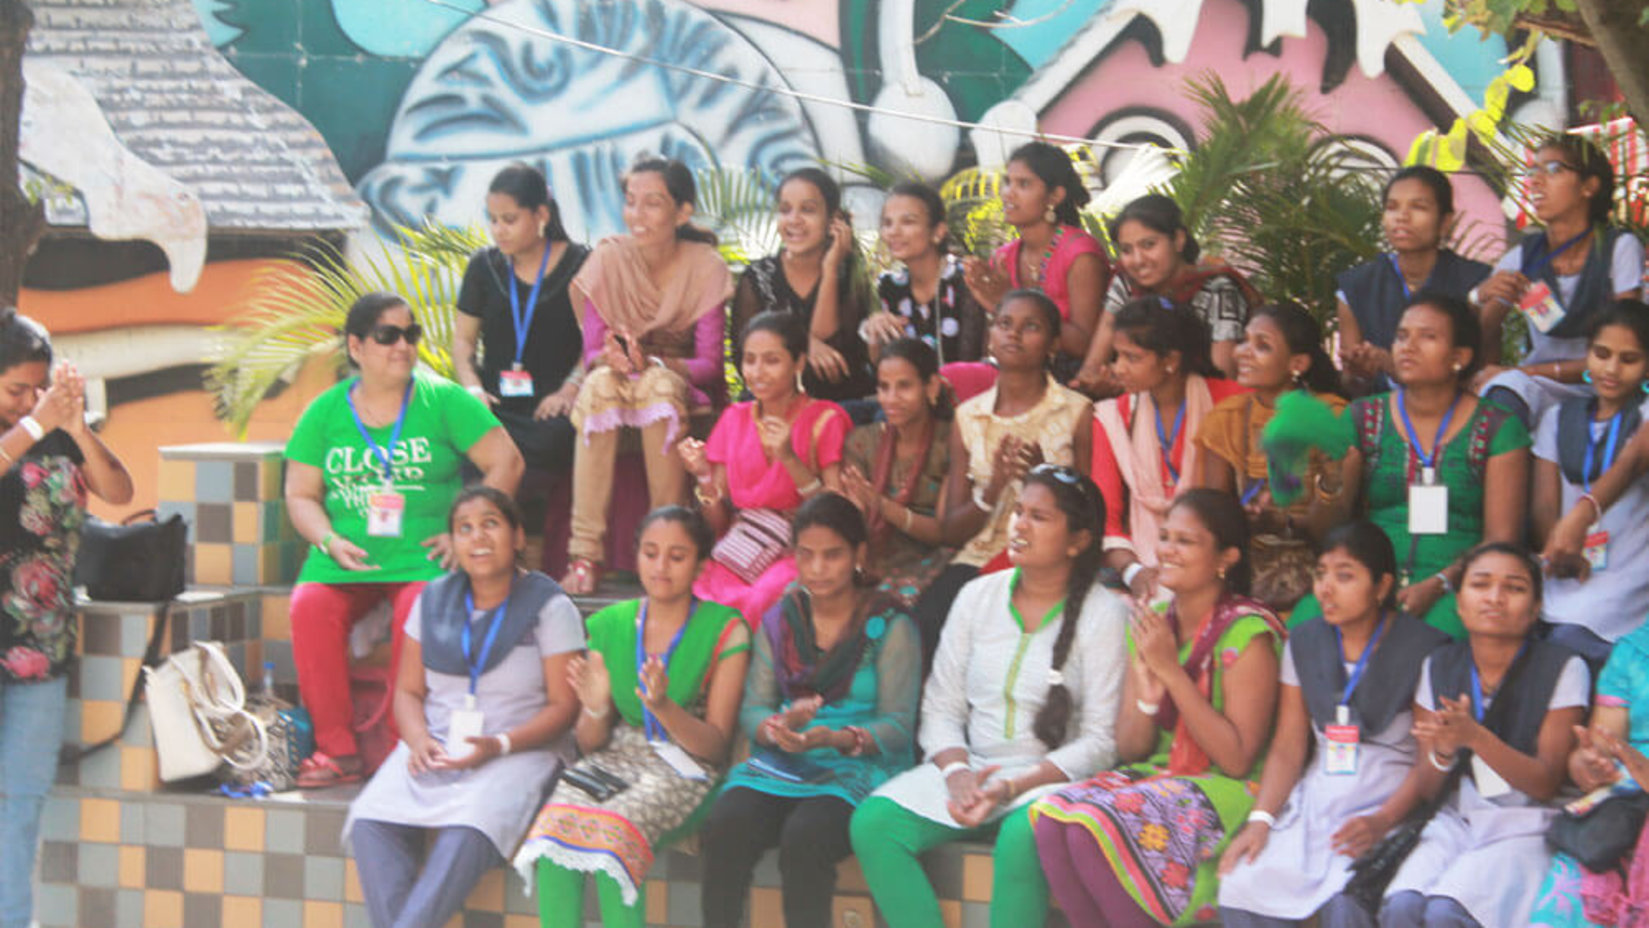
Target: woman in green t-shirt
<point>372,468</point>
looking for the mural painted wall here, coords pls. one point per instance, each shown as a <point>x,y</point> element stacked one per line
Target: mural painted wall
<point>422,100</point>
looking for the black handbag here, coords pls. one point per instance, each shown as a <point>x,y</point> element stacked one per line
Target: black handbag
<point>1603,835</point>
<point>135,561</point>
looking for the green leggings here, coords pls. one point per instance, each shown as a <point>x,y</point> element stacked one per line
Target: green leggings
<point>888,838</point>
<point>561,899</point>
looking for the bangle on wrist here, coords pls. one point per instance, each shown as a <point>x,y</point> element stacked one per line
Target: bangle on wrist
<point>979,501</point>
<point>955,766</point>
<point>1443,575</point>
<point>1260,815</point>
<point>598,716</point>
<point>1441,764</point>
<point>1148,708</point>
<point>504,745</point>
<point>476,390</point>
<point>325,544</point>
<point>909,517</point>
<point>33,427</point>
<point>1130,572</point>
<point>1596,506</point>
<point>811,487</point>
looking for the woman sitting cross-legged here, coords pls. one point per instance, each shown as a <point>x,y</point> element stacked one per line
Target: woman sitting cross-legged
<point>830,710</point>
<point>660,688</point>
<point>1501,706</point>
<point>1023,697</point>
<point>1140,845</point>
<point>1335,777</point>
<point>485,713</point>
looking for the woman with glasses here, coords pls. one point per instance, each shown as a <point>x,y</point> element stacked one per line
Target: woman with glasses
<point>373,466</point>
<point>1558,276</point>
<point>1023,698</point>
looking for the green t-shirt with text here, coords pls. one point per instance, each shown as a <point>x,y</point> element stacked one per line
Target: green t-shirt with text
<point>443,421</point>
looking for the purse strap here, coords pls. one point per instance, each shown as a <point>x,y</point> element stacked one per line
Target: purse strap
<point>151,658</point>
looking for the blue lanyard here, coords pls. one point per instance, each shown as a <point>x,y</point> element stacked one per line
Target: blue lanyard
<point>655,731</point>
<point>1362,662</point>
<point>1427,461</point>
<point>1252,491</point>
<point>1477,684</point>
<point>476,663</point>
<point>1400,278</point>
<point>1534,270</point>
<point>1608,450</point>
<point>1166,440</point>
<point>382,453</point>
<point>523,320</point>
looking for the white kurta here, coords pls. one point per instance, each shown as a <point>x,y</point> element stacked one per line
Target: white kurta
<point>499,797</point>
<point>990,680</point>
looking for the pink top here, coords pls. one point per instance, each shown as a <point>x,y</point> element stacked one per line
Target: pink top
<point>703,368</point>
<point>1055,282</point>
<point>755,482</point>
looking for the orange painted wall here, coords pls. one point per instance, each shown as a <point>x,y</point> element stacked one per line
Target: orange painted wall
<point>147,300</point>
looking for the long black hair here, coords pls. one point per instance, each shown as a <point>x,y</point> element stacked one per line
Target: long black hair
<point>1053,167</point>
<point>1160,325</point>
<point>22,340</point>
<point>1223,516</point>
<point>921,356</point>
<point>1588,161</point>
<point>1303,336</point>
<point>679,183</point>
<point>525,185</point>
<point>1084,509</point>
<point>1159,213</point>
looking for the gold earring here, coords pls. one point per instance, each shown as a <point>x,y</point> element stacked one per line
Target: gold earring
<point>1049,216</point>
<point>799,387</point>
<point>1299,377</point>
<point>1221,573</point>
<point>1459,367</point>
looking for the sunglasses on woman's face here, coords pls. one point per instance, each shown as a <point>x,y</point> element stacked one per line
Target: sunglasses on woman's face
<point>387,335</point>
<point>1551,168</point>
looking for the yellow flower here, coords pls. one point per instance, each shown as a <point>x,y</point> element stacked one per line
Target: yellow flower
<point>1153,837</point>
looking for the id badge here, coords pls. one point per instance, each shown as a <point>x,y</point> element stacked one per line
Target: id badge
<point>1541,307</point>
<point>1340,758</point>
<point>1489,783</point>
<point>465,724</point>
<point>514,383</point>
<point>680,761</point>
<point>1428,505</point>
<point>1597,547</point>
<point>383,514</point>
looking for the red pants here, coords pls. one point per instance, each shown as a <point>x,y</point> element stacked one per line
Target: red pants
<point>322,615</point>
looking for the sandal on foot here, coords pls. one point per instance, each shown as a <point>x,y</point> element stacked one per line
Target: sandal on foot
<point>319,771</point>
<point>583,576</point>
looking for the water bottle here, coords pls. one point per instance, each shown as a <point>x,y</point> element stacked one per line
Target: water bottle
<point>269,679</point>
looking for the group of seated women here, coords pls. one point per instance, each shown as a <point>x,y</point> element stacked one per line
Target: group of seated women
<point>877,619</point>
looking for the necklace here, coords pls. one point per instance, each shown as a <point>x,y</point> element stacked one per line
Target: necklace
<point>1048,255</point>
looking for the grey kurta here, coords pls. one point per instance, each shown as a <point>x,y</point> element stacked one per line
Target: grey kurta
<point>499,797</point>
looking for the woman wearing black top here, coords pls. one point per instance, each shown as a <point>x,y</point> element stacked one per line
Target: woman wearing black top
<point>516,287</point>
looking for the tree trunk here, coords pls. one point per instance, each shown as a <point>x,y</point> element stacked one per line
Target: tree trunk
<point>21,222</point>
<point>1614,27</point>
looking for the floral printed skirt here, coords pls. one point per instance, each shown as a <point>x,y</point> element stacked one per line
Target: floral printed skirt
<point>1163,836</point>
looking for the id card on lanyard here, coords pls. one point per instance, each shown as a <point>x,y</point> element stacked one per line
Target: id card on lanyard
<point>385,508</point>
<point>668,751</point>
<point>1428,496</point>
<point>1344,737</point>
<point>1596,549</point>
<point>1489,781</point>
<point>517,381</point>
<point>1539,303</point>
<point>468,722</point>
<point>1165,442</point>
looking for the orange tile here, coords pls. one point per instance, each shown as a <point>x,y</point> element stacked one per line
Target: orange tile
<point>277,623</point>
<point>269,563</point>
<point>243,829</point>
<point>100,718</point>
<point>520,921</point>
<point>100,821</point>
<point>138,769</point>
<point>766,907</point>
<point>213,566</point>
<point>352,882</point>
<point>488,894</point>
<point>162,908</point>
<point>456,921</point>
<point>177,481</point>
<point>977,871</point>
<point>323,914</point>
<point>658,903</point>
<point>243,523</point>
<point>202,870</point>
<point>132,872</point>
<point>130,667</point>
<point>950,910</point>
<point>270,474</point>
<point>242,911</point>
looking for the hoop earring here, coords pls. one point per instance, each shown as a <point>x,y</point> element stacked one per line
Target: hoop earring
<point>1049,216</point>
<point>1586,376</point>
<point>1299,378</point>
<point>799,387</point>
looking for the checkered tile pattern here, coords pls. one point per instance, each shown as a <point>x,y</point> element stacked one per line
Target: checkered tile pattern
<point>230,494</point>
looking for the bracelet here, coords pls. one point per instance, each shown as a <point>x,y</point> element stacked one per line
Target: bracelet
<point>909,517</point>
<point>706,499</point>
<point>1472,297</point>
<point>28,424</point>
<point>504,745</point>
<point>979,501</point>
<point>325,544</point>
<point>601,716</point>
<point>1438,763</point>
<point>1557,370</point>
<point>812,486</point>
<point>476,390</point>
<point>953,767</point>
<point>1443,575</point>
<point>1149,708</point>
<point>1130,572</point>
<point>7,455</point>
<point>861,741</point>
<point>1260,815</point>
<point>1589,498</point>
<point>1325,496</point>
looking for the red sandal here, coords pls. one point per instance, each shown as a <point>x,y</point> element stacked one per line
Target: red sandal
<point>583,576</point>
<point>319,771</point>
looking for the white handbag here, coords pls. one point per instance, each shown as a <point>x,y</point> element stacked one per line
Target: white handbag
<point>197,710</point>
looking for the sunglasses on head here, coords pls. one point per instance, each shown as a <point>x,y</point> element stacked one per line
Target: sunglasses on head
<point>1065,475</point>
<point>387,335</point>
<point>1551,167</point>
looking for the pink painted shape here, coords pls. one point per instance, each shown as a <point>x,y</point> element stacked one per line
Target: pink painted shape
<point>1375,108</point>
<point>819,19</point>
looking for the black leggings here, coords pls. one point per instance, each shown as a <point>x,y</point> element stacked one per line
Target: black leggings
<point>933,607</point>
<point>811,834</point>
